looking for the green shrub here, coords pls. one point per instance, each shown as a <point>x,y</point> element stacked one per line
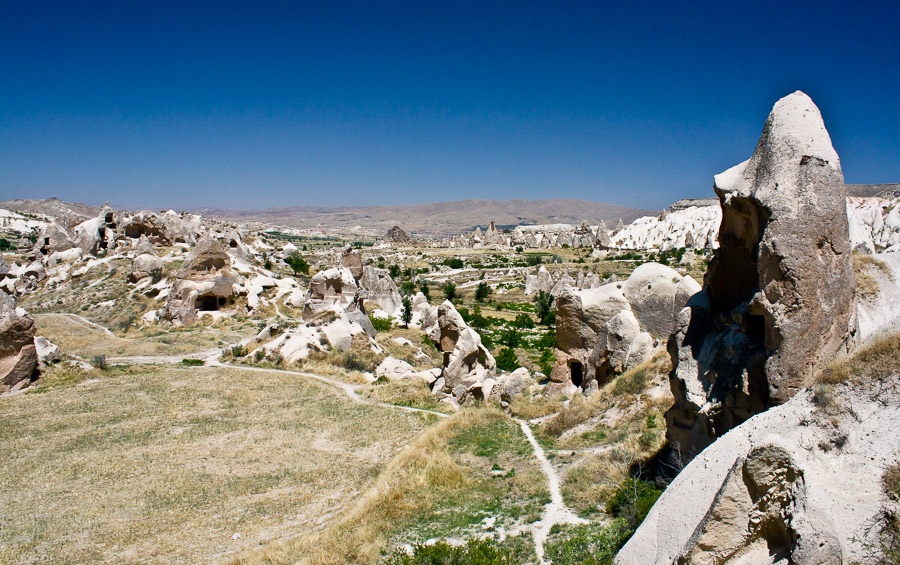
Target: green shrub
<point>523,321</point>
<point>193,362</point>
<point>453,262</point>
<point>380,324</point>
<point>297,264</point>
<point>544,305</point>
<point>449,291</point>
<point>506,360</point>
<point>588,545</point>
<point>482,291</point>
<point>546,361</point>
<point>633,500</point>
<point>475,552</point>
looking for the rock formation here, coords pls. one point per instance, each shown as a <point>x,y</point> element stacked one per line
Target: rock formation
<point>778,299</point>
<point>18,356</point>
<point>205,282</point>
<point>353,262</point>
<point>330,288</point>
<point>605,331</point>
<point>539,281</point>
<point>398,236</point>
<point>381,289</point>
<point>799,483</point>
<point>467,363</point>
<point>145,263</point>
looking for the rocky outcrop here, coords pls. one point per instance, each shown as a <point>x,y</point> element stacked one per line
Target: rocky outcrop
<point>353,262</point>
<point>204,283</point>
<point>799,483</point>
<point>540,280</point>
<point>778,300</point>
<point>466,362</point>
<point>397,236</point>
<point>380,289</point>
<point>145,263</point>
<point>18,356</point>
<point>330,288</point>
<point>605,331</point>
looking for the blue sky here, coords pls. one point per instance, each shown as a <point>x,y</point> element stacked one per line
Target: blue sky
<point>252,105</point>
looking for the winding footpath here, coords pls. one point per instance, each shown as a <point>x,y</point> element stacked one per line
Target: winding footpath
<point>556,512</point>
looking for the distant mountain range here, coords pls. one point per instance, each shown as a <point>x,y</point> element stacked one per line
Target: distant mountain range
<point>439,217</point>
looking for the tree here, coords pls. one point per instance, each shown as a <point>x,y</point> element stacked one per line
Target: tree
<point>482,292</point>
<point>544,305</point>
<point>449,291</point>
<point>406,316</point>
<point>297,264</point>
<point>423,288</point>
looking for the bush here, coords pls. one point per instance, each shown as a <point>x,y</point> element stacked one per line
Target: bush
<point>506,360</point>
<point>297,264</point>
<point>482,291</point>
<point>588,545</point>
<point>449,291</point>
<point>193,362</point>
<point>5,245</point>
<point>633,500</point>
<point>380,324</point>
<point>511,338</point>
<point>407,313</point>
<point>546,361</point>
<point>475,552</point>
<point>453,263</point>
<point>523,321</point>
<point>238,351</point>
<point>99,362</point>
<point>423,288</point>
<point>544,305</point>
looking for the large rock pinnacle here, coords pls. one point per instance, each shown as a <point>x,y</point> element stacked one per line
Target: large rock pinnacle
<point>778,298</point>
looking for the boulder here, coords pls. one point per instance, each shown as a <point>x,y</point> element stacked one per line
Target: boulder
<point>47,351</point>
<point>778,300</point>
<point>146,265</point>
<point>394,369</point>
<point>353,262</point>
<point>331,289</point>
<point>18,355</point>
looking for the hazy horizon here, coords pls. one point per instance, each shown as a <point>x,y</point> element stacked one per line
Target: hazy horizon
<point>239,106</point>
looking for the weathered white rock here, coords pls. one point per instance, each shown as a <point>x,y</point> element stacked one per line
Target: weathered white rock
<point>47,351</point>
<point>779,297</point>
<point>18,356</point>
<point>794,483</point>
<point>394,369</point>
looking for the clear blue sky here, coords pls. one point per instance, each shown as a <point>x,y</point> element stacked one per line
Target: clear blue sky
<point>257,104</point>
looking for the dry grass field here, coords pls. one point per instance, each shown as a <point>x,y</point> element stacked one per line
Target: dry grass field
<point>168,464</point>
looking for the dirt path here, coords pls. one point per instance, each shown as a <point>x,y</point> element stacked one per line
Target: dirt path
<point>556,512</point>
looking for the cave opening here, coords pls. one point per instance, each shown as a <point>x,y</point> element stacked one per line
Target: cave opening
<point>576,372</point>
